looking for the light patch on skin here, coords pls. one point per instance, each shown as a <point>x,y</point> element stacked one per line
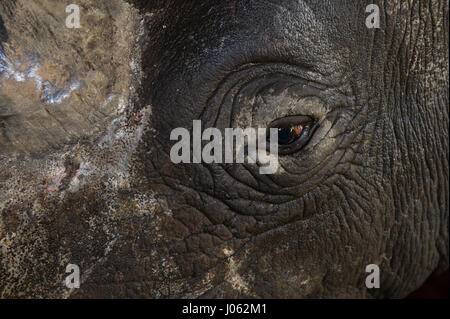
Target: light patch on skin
<point>147,203</point>
<point>228,251</point>
<point>79,179</point>
<point>118,171</point>
<point>304,282</point>
<point>122,105</point>
<point>18,71</point>
<point>56,181</point>
<point>68,80</point>
<point>23,67</point>
<point>233,277</point>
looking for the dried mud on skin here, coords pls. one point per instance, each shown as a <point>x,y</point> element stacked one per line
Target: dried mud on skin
<point>68,132</point>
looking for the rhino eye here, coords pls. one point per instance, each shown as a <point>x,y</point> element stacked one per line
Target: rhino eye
<point>289,134</point>
<point>294,132</point>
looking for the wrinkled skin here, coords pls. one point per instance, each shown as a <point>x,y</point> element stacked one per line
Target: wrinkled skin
<point>370,187</point>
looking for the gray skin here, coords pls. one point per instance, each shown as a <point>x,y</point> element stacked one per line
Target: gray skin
<point>370,187</point>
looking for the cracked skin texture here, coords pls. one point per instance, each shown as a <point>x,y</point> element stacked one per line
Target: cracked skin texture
<point>371,186</point>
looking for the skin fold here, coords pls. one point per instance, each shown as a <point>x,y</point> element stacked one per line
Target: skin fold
<point>89,180</point>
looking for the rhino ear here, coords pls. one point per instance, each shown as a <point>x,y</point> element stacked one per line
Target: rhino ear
<point>59,84</point>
